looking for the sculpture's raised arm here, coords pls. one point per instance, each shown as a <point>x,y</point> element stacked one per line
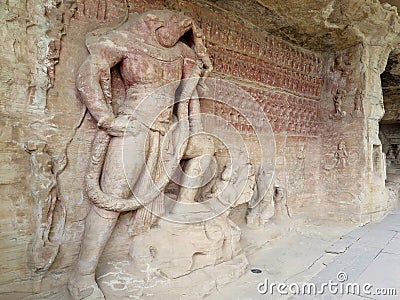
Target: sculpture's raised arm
<point>94,79</point>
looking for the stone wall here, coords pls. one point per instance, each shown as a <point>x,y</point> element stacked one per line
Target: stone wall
<point>42,46</point>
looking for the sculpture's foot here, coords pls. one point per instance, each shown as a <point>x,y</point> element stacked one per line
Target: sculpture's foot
<point>84,287</point>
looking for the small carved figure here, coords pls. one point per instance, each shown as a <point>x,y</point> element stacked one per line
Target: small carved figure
<point>340,65</point>
<point>301,156</point>
<point>266,210</point>
<point>52,57</point>
<point>340,72</point>
<point>358,103</point>
<point>224,188</point>
<point>280,208</point>
<point>242,123</point>
<point>338,102</point>
<point>43,180</point>
<point>341,155</point>
<point>235,184</point>
<point>93,9</point>
<point>397,155</point>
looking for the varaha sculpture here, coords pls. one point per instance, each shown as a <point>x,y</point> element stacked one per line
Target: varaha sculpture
<point>155,53</point>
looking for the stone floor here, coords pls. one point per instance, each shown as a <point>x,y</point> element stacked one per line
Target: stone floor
<point>296,252</point>
<point>367,257</point>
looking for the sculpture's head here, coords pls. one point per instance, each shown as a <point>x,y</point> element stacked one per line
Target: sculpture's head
<point>168,26</point>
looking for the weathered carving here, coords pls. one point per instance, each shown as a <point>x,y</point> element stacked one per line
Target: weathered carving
<point>358,103</point>
<point>341,65</point>
<point>256,69</point>
<point>52,58</point>
<point>338,103</point>
<point>341,156</point>
<point>176,249</point>
<point>267,59</point>
<point>260,206</point>
<point>235,184</point>
<point>224,188</point>
<point>390,157</point>
<point>288,113</point>
<point>149,54</point>
<point>96,9</point>
<point>47,238</point>
<point>301,156</point>
<point>340,71</point>
<point>280,206</point>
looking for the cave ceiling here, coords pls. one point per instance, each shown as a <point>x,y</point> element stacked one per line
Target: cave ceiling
<point>319,25</point>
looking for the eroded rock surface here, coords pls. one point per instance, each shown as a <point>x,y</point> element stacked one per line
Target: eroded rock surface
<point>303,76</point>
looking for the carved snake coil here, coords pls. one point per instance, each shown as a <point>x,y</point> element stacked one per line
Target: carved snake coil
<point>109,202</point>
<point>92,178</point>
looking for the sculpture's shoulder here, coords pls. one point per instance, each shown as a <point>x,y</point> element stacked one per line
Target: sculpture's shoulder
<point>114,40</point>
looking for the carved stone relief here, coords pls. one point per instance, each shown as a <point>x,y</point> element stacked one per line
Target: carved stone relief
<point>338,104</point>
<point>286,113</point>
<point>285,80</point>
<point>341,156</point>
<point>280,205</point>
<point>261,206</point>
<point>341,70</point>
<point>47,238</point>
<point>358,103</point>
<point>116,184</point>
<point>340,83</point>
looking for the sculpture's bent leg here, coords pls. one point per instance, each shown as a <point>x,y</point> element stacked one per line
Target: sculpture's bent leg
<point>99,222</point>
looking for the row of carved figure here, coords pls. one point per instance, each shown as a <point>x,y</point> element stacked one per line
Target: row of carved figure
<point>236,37</point>
<point>286,106</point>
<point>285,112</point>
<point>281,121</point>
<point>264,71</point>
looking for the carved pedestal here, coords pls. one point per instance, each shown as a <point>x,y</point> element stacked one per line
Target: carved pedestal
<point>179,249</point>
<point>177,260</point>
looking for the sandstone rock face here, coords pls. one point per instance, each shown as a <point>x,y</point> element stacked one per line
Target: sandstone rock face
<point>310,68</point>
